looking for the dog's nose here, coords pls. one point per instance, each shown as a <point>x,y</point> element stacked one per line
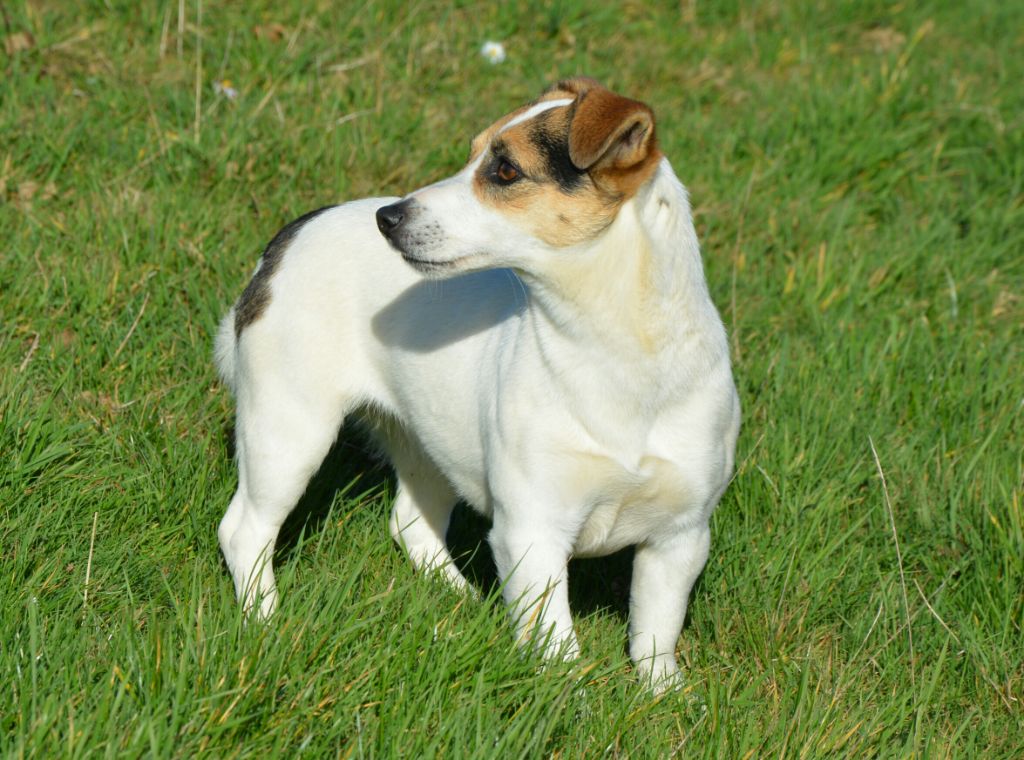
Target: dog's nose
<point>389,217</point>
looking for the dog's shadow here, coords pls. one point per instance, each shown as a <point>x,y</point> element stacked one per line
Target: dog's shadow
<point>353,467</point>
<point>434,314</point>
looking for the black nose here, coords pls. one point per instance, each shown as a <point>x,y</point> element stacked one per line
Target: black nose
<point>389,217</point>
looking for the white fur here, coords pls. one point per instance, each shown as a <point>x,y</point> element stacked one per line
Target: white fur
<point>582,398</point>
<point>532,111</point>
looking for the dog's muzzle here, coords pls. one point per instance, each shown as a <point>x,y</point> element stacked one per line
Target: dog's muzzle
<point>400,225</point>
<point>390,218</point>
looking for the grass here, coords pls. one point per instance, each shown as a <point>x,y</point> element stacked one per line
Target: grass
<point>856,169</point>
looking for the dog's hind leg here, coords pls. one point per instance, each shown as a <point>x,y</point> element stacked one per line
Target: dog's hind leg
<point>422,510</point>
<point>663,574</point>
<point>282,437</point>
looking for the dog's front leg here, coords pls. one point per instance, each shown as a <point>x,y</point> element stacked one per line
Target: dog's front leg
<point>532,557</point>
<point>664,571</point>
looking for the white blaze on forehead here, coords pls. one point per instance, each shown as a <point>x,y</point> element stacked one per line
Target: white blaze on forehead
<point>533,111</point>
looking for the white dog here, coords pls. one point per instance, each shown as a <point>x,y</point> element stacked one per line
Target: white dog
<point>533,336</point>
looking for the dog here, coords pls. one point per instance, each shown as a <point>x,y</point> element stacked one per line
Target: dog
<point>533,336</point>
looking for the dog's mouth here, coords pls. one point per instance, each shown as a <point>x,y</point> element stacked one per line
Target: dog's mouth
<point>428,267</point>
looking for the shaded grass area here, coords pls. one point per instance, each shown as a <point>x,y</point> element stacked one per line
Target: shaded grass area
<point>856,171</point>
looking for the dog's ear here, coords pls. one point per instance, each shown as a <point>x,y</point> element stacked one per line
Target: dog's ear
<point>609,131</point>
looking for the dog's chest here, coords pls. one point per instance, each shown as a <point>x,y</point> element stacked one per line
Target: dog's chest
<point>632,505</point>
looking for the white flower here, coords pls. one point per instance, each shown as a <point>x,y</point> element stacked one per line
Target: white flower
<point>493,51</point>
<point>223,87</point>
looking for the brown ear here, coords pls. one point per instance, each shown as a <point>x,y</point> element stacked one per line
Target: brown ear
<point>610,131</point>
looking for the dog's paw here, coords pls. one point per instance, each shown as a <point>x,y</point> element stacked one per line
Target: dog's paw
<point>660,674</point>
<point>666,683</point>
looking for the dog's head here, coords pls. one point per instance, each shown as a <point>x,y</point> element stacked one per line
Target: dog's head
<point>548,176</point>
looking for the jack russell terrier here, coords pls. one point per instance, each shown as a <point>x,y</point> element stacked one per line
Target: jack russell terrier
<point>533,336</point>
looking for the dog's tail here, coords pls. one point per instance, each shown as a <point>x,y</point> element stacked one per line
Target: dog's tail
<point>224,350</point>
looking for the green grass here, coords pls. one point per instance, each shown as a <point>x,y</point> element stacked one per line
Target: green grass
<point>856,170</point>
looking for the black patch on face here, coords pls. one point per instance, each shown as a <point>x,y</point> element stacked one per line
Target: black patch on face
<point>256,295</point>
<point>555,150</point>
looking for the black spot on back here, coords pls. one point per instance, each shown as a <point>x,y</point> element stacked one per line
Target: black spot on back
<point>256,295</point>
<point>554,148</point>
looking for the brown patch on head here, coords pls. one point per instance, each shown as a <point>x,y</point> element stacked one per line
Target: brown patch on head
<point>482,140</point>
<point>572,87</point>
<point>574,166</point>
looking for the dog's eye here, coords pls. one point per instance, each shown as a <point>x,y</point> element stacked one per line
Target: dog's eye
<point>506,172</point>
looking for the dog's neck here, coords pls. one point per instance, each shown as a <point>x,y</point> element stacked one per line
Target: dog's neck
<point>639,287</point>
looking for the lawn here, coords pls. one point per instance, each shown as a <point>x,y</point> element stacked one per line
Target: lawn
<point>856,171</point>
